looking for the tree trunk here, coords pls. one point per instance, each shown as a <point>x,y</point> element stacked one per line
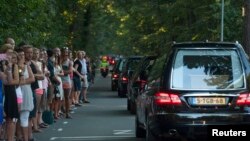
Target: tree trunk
<point>246,31</point>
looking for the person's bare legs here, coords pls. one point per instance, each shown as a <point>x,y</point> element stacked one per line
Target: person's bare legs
<point>67,101</point>
<point>77,95</point>
<point>19,133</point>
<point>25,131</point>
<point>84,93</point>
<point>35,119</point>
<point>11,128</point>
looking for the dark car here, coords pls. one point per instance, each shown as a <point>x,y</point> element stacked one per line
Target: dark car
<point>127,70</point>
<point>115,73</point>
<point>138,80</point>
<point>194,86</point>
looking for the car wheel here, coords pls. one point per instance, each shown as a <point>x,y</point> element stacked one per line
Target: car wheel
<point>132,107</point>
<point>128,104</point>
<point>149,136</point>
<point>119,92</point>
<point>139,132</point>
<point>113,87</point>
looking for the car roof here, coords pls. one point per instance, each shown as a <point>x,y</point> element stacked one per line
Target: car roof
<point>206,44</point>
<point>150,57</point>
<point>134,57</point>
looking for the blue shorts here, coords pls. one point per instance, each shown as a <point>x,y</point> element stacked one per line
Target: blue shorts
<point>77,83</point>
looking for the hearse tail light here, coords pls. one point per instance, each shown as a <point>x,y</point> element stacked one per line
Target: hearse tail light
<point>167,99</point>
<point>243,99</point>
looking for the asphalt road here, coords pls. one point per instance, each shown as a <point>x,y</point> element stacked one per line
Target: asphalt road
<point>104,119</point>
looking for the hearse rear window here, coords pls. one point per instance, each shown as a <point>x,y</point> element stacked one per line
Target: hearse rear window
<point>207,69</point>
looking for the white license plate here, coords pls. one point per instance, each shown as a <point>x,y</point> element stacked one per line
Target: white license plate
<point>209,101</point>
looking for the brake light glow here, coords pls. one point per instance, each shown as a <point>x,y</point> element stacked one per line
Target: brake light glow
<point>115,76</point>
<point>167,99</point>
<point>243,99</point>
<point>124,79</point>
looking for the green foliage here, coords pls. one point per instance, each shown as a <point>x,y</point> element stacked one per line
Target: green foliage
<point>125,27</point>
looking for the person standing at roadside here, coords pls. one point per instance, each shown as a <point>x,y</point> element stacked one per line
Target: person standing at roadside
<point>43,59</point>
<point>10,103</point>
<point>85,84</point>
<point>67,67</point>
<point>28,51</point>
<point>59,94</point>
<point>10,41</point>
<point>77,77</point>
<point>39,76</point>
<point>53,79</point>
<point>26,78</point>
<point>72,98</point>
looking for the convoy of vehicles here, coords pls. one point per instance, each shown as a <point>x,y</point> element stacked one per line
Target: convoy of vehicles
<point>179,94</point>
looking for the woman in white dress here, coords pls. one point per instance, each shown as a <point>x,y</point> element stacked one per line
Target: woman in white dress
<point>26,78</point>
<point>59,95</point>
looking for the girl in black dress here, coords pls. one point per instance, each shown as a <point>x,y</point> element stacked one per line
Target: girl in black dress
<point>10,103</point>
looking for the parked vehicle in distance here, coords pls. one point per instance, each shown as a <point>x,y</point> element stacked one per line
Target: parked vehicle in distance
<point>192,87</point>
<point>112,59</point>
<point>138,80</point>
<point>127,70</point>
<point>115,73</point>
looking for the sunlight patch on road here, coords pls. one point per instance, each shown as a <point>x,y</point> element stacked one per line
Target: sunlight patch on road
<point>59,129</point>
<point>122,132</point>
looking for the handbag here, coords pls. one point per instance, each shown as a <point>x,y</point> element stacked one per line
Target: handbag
<point>47,115</point>
<point>19,95</point>
<point>57,91</point>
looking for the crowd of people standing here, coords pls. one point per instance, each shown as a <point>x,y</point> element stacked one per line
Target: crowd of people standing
<point>34,79</point>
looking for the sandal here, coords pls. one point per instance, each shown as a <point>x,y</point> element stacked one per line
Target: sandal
<point>42,125</point>
<point>37,131</point>
<point>45,124</point>
<point>68,117</point>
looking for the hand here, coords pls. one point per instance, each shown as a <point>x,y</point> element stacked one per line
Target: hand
<point>47,73</point>
<point>57,82</point>
<point>82,77</point>
<point>22,80</point>
<point>8,64</point>
<point>19,107</point>
<point>28,63</point>
<point>3,77</point>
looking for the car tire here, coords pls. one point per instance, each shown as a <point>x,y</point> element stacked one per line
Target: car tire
<point>132,107</point>
<point>128,104</point>
<point>119,92</point>
<point>113,88</point>
<point>139,132</point>
<point>149,136</point>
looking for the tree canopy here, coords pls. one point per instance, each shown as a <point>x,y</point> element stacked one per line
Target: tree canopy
<point>119,26</point>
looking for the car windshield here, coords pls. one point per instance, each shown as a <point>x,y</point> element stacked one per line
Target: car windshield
<point>212,69</point>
